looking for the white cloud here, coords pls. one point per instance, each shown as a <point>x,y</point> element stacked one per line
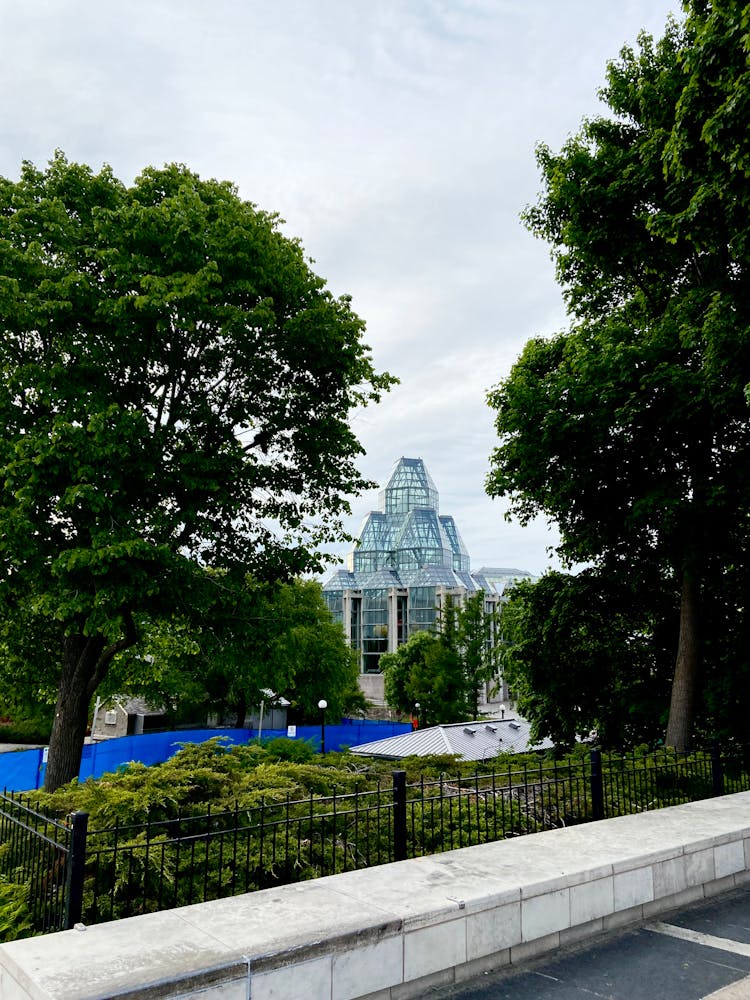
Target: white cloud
<point>397,140</point>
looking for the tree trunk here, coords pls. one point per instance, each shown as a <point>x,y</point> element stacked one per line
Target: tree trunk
<point>86,660</point>
<point>80,656</point>
<point>682,704</point>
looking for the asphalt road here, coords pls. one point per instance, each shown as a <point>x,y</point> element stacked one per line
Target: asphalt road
<point>699,952</point>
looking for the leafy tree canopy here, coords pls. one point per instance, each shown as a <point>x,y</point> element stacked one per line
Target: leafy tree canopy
<point>442,673</point>
<point>247,639</point>
<point>175,385</point>
<point>631,429</point>
<point>582,654</point>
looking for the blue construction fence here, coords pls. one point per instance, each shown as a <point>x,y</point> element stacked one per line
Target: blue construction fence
<point>23,770</point>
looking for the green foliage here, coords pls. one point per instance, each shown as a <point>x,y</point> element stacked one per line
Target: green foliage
<point>24,722</point>
<point>175,385</point>
<point>297,751</point>
<point>561,632</point>
<point>425,671</point>
<point>16,919</point>
<point>631,430</point>
<point>26,731</point>
<point>476,641</point>
<point>242,639</point>
<point>443,672</point>
<point>226,820</point>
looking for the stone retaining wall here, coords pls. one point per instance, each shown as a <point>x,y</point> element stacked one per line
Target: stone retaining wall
<point>388,933</point>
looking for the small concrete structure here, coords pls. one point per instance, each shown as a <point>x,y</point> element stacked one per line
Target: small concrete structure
<point>391,932</point>
<point>125,717</point>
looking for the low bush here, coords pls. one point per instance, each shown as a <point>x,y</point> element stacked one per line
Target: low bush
<point>25,731</point>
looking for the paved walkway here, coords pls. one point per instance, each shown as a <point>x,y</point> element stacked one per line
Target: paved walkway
<point>694,954</point>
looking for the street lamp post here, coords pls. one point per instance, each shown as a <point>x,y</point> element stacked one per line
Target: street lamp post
<point>322,705</point>
<point>417,706</point>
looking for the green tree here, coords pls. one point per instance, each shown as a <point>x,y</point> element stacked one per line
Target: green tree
<point>309,657</point>
<point>247,638</point>
<point>443,672</point>
<point>175,384</point>
<point>477,633</point>
<point>631,430</point>
<point>398,669</point>
<point>580,654</point>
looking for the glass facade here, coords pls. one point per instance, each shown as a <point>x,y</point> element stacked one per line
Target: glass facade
<point>422,609</point>
<point>410,486</point>
<point>407,559</point>
<point>374,628</point>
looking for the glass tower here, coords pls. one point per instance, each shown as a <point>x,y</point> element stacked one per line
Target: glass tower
<point>407,559</point>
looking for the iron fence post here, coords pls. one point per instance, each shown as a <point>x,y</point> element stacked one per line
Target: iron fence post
<point>399,815</point>
<point>717,768</point>
<point>79,822</point>
<point>597,785</point>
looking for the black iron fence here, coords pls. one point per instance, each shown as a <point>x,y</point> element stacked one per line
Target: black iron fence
<point>187,859</point>
<point>45,856</point>
<point>159,864</point>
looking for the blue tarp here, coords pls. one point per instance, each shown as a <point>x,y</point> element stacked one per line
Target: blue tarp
<point>23,770</point>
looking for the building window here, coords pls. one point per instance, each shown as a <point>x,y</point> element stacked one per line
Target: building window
<point>374,628</point>
<point>335,601</point>
<point>355,623</point>
<point>422,609</point>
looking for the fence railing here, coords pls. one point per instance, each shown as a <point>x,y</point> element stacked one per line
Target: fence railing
<point>48,857</point>
<point>128,869</point>
<point>187,859</point>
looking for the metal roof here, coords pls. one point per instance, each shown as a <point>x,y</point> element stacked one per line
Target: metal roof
<point>479,740</point>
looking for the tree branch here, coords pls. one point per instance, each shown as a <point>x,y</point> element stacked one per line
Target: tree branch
<point>130,638</point>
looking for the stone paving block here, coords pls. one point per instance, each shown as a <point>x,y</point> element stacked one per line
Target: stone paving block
<point>580,932</point>
<point>633,887</point>
<point>421,987</point>
<point>543,915</point>
<point>669,877</point>
<point>530,949</point>
<point>369,969</point>
<point>666,903</point>
<point>725,884</point>
<point>294,982</point>
<point>622,918</point>
<point>431,949</point>
<point>700,866</point>
<point>493,930</point>
<point>729,858</point>
<point>480,966</point>
<point>590,900</point>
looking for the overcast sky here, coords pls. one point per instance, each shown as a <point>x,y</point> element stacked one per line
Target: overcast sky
<point>395,137</point>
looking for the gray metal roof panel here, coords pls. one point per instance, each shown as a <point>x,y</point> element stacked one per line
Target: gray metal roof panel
<point>479,740</point>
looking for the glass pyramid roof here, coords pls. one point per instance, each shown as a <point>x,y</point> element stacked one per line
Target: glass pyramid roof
<point>408,537</point>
